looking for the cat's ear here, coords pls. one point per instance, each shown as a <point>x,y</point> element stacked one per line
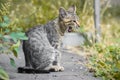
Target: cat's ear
<point>62,12</point>
<point>72,9</point>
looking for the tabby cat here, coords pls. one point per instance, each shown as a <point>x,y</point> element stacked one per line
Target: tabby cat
<point>42,49</point>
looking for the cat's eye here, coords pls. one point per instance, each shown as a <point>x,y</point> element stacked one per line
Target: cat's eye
<point>74,21</point>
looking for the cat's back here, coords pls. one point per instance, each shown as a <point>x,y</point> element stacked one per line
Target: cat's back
<point>36,36</point>
<point>35,30</point>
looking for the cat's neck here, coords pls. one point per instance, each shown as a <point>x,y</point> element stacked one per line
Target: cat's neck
<point>59,26</point>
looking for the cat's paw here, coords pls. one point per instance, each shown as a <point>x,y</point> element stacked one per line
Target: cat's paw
<point>61,68</point>
<point>56,68</point>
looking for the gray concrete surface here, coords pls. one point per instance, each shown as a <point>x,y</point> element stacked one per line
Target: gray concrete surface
<point>73,64</point>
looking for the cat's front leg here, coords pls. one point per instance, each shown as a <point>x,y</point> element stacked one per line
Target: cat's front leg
<point>57,60</point>
<point>55,44</point>
<point>55,65</point>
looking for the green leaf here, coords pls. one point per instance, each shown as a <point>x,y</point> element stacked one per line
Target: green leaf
<point>15,48</point>
<point>13,36</point>
<point>24,38</point>
<point>12,62</point>
<point>7,30</point>
<point>6,19</point>
<point>3,75</point>
<point>15,45</point>
<point>3,24</point>
<point>18,36</point>
<point>15,52</point>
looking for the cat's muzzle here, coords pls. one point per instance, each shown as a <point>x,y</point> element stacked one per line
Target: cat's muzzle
<point>72,28</point>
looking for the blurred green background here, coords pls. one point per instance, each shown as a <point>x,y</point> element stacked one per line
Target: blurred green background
<point>27,13</point>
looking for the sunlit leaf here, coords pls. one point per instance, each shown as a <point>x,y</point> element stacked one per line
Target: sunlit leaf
<point>18,35</point>
<point>15,52</point>
<point>15,48</point>
<point>3,75</point>
<point>15,45</point>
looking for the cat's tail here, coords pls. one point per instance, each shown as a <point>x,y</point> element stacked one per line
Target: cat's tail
<point>31,70</point>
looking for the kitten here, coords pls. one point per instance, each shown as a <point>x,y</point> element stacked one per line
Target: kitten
<point>41,50</point>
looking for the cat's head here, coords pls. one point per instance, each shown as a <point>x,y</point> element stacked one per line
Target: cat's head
<point>69,21</point>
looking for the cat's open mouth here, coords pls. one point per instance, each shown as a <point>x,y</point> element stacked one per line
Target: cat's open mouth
<point>70,29</point>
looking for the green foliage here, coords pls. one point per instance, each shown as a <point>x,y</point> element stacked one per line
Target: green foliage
<point>9,37</point>
<point>106,60</point>
<point>26,14</point>
<point>10,42</point>
<point>106,63</point>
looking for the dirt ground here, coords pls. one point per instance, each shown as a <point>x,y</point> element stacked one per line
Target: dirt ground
<point>73,64</point>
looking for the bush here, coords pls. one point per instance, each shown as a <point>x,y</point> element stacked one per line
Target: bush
<point>106,63</point>
<point>9,38</point>
<point>28,13</point>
